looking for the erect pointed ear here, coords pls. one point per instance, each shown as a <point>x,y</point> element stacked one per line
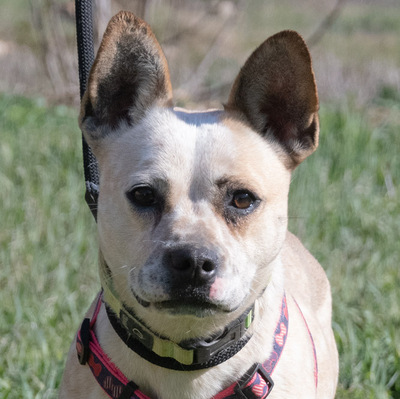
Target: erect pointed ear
<point>129,74</point>
<point>276,92</point>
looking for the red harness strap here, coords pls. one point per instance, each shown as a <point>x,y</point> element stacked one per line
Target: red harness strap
<point>107,374</point>
<point>255,384</point>
<point>259,384</point>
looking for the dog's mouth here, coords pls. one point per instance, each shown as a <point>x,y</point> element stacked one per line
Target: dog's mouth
<point>190,306</point>
<point>187,302</point>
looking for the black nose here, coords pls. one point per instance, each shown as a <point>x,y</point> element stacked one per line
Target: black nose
<point>194,266</point>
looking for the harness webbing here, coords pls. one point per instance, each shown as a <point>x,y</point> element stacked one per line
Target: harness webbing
<point>84,33</point>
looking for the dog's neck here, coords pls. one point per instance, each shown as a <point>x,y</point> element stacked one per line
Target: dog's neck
<point>161,351</point>
<point>185,385</point>
<point>162,382</point>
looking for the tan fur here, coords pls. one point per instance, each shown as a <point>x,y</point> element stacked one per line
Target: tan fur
<point>195,160</point>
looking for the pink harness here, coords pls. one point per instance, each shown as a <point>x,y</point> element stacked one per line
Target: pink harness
<point>255,384</point>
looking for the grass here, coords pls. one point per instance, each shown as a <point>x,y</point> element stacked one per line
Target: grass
<point>344,205</point>
<point>47,250</point>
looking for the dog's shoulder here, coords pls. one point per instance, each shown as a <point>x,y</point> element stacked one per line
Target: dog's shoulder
<point>305,278</point>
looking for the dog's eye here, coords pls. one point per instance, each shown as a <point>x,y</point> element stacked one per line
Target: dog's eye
<point>243,200</point>
<point>142,196</point>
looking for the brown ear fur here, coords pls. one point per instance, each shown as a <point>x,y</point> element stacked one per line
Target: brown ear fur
<point>129,74</point>
<point>277,93</point>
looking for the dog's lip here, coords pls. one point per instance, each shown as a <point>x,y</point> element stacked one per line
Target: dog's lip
<point>192,307</point>
<point>182,305</point>
<point>141,301</point>
<point>187,301</point>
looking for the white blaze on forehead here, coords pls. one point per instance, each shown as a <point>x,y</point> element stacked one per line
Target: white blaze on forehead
<point>170,145</point>
<point>192,151</point>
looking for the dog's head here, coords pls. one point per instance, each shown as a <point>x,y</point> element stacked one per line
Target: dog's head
<point>193,205</point>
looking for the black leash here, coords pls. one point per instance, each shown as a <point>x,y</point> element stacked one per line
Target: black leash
<point>84,33</point>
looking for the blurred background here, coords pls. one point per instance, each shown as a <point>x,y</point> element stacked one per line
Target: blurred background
<point>354,43</point>
<point>344,200</point>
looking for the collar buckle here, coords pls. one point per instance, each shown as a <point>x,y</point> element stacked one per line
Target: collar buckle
<point>255,384</point>
<point>204,351</point>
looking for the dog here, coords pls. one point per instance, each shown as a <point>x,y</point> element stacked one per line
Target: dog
<point>205,293</point>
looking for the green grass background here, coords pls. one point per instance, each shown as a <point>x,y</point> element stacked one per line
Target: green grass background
<point>47,245</point>
<point>344,204</point>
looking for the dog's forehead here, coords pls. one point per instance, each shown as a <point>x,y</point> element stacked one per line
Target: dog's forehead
<point>179,144</point>
<point>168,136</point>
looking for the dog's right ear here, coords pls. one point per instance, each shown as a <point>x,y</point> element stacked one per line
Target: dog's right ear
<point>130,73</point>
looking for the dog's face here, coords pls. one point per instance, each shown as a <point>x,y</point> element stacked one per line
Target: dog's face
<point>193,205</point>
<point>187,201</point>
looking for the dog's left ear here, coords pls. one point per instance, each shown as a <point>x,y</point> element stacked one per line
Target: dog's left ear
<point>276,92</point>
<point>130,73</point>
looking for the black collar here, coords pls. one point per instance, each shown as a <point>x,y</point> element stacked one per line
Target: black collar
<point>255,384</point>
<point>165,353</point>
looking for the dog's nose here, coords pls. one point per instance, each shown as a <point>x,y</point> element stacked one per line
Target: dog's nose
<point>196,266</point>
